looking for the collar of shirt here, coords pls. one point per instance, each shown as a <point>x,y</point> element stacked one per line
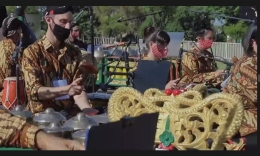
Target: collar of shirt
<point>50,48</point>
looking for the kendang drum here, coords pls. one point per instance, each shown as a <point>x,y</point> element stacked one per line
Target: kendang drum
<point>9,96</point>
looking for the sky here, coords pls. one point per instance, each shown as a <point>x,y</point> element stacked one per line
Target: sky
<point>219,22</point>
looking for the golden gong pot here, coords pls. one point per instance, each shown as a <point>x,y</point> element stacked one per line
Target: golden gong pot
<point>21,112</point>
<point>80,122</point>
<point>56,129</point>
<point>80,136</point>
<point>44,119</point>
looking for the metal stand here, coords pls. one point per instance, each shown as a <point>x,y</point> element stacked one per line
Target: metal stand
<point>17,71</point>
<point>92,40</point>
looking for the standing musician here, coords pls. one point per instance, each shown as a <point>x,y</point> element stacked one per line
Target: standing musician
<point>244,81</point>
<point>74,37</point>
<point>157,42</point>
<point>51,68</point>
<point>198,69</point>
<point>11,31</point>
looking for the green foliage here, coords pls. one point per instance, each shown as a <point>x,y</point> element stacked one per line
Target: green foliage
<point>29,9</point>
<point>83,20</point>
<point>173,19</point>
<point>236,31</point>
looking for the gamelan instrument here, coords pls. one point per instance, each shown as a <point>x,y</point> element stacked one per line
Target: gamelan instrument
<point>100,54</point>
<point>9,96</point>
<point>132,53</point>
<point>44,119</point>
<point>88,68</point>
<point>56,129</point>
<point>80,122</point>
<point>22,112</point>
<point>115,45</point>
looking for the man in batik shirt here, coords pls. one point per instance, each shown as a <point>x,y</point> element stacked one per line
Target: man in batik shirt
<point>51,68</point>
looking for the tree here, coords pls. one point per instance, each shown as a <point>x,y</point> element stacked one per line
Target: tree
<point>28,10</point>
<point>185,18</point>
<point>233,27</point>
<point>236,31</point>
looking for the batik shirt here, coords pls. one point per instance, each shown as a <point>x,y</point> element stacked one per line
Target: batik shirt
<point>244,83</point>
<point>199,69</point>
<point>7,63</point>
<point>41,65</point>
<point>15,132</point>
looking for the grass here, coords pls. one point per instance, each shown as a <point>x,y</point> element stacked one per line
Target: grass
<point>221,66</point>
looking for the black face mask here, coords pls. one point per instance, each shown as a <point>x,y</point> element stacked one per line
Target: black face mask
<point>60,32</point>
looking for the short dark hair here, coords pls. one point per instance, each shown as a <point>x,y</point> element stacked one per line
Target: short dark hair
<point>203,31</point>
<point>156,35</point>
<point>247,40</point>
<point>74,25</point>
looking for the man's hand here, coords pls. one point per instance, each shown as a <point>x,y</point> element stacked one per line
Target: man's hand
<point>75,88</point>
<point>49,142</point>
<point>171,84</point>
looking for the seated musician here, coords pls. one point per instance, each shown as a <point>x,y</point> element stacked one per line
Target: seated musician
<point>244,82</point>
<point>16,132</point>
<point>74,37</point>
<point>157,42</point>
<point>11,31</point>
<point>51,60</point>
<point>198,69</point>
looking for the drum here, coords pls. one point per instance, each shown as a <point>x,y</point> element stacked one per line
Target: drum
<point>9,96</point>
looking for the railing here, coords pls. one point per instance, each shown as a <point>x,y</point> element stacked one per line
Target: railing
<point>103,40</point>
<point>221,49</point>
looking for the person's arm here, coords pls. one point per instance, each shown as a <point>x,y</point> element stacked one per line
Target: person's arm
<point>81,100</point>
<point>33,77</point>
<point>15,132</point>
<point>190,70</point>
<point>243,81</point>
<point>6,46</point>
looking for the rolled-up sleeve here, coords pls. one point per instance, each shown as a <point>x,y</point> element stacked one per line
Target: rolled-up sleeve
<point>32,72</point>
<point>15,132</point>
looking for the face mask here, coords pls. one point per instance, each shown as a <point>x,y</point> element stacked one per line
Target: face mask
<point>60,32</point>
<point>158,53</point>
<point>206,43</point>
